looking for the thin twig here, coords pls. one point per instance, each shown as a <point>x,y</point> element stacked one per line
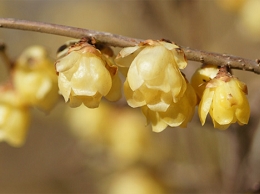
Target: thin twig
<point>123,41</point>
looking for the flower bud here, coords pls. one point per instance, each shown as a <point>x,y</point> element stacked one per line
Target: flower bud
<point>85,75</point>
<point>35,79</point>
<point>225,100</point>
<point>14,117</point>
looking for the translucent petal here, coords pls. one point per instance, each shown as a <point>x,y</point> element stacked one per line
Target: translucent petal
<point>159,126</point>
<point>127,55</point>
<point>91,77</point>
<point>159,82</point>
<point>221,127</point>
<point>151,60</point>
<point>64,86</point>
<point>229,94</point>
<point>68,61</point>
<point>92,101</point>
<point>75,101</point>
<point>153,117</point>
<point>205,104</point>
<point>115,92</point>
<point>179,58</point>
<point>241,85</point>
<point>69,73</point>
<point>176,113</point>
<point>177,82</point>
<point>134,99</point>
<point>160,106</point>
<point>15,132</point>
<point>222,112</point>
<point>135,81</point>
<point>243,112</point>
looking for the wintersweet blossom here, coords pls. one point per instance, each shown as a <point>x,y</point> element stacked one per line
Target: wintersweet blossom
<point>178,114</point>
<point>85,75</point>
<point>154,78</point>
<point>35,79</point>
<point>225,100</point>
<point>14,117</point>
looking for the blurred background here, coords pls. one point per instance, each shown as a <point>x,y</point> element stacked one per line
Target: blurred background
<point>110,149</point>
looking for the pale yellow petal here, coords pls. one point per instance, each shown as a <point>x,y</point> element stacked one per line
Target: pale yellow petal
<point>134,98</point>
<point>158,124</point>
<point>67,62</point>
<point>115,92</point>
<point>14,124</point>
<point>205,104</point>
<point>220,126</point>
<point>75,101</point>
<point>151,61</point>
<point>243,112</point>
<point>92,101</point>
<point>133,77</point>
<point>159,106</point>
<point>179,58</point>
<point>127,55</point>
<point>64,86</point>
<point>91,77</point>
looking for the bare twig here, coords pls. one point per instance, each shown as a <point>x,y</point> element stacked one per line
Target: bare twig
<point>122,41</point>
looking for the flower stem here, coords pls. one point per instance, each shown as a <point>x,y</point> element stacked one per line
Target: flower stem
<point>218,59</point>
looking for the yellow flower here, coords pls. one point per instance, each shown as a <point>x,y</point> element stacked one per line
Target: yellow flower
<point>35,78</point>
<point>153,78</point>
<point>85,75</point>
<point>202,76</point>
<point>178,114</point>
<point>225,100</point>
<point>14,117</point>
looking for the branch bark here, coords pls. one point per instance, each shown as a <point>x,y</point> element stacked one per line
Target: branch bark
<point>218,59</point>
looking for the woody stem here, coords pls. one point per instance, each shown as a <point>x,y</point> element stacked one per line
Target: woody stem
<point>218,59</point>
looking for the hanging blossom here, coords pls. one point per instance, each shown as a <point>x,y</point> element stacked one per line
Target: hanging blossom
<point>154,80</point>
<point>225,100</point>
<point>86,74</point>
<point>34,78</point>
<point>14,117</point>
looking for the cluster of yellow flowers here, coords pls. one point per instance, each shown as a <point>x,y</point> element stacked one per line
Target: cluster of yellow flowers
<point>32,83</point>
<point>154,82</point>
<point>86,71</point>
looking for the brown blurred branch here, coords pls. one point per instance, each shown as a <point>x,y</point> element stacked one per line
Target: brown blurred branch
<point>4,56</point>
<point>122,41</point>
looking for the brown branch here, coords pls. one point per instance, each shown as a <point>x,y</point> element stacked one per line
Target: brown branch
<point>122,41</point>
<point>4,56</point>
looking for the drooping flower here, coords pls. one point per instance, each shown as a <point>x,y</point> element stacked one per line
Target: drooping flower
<point>154,78</point>
<point>35,79</point>
<point>85,75</point>
<point>225,100</point>
<point>178,114</point>
<point>14,117</point>
<point>202,76</point>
